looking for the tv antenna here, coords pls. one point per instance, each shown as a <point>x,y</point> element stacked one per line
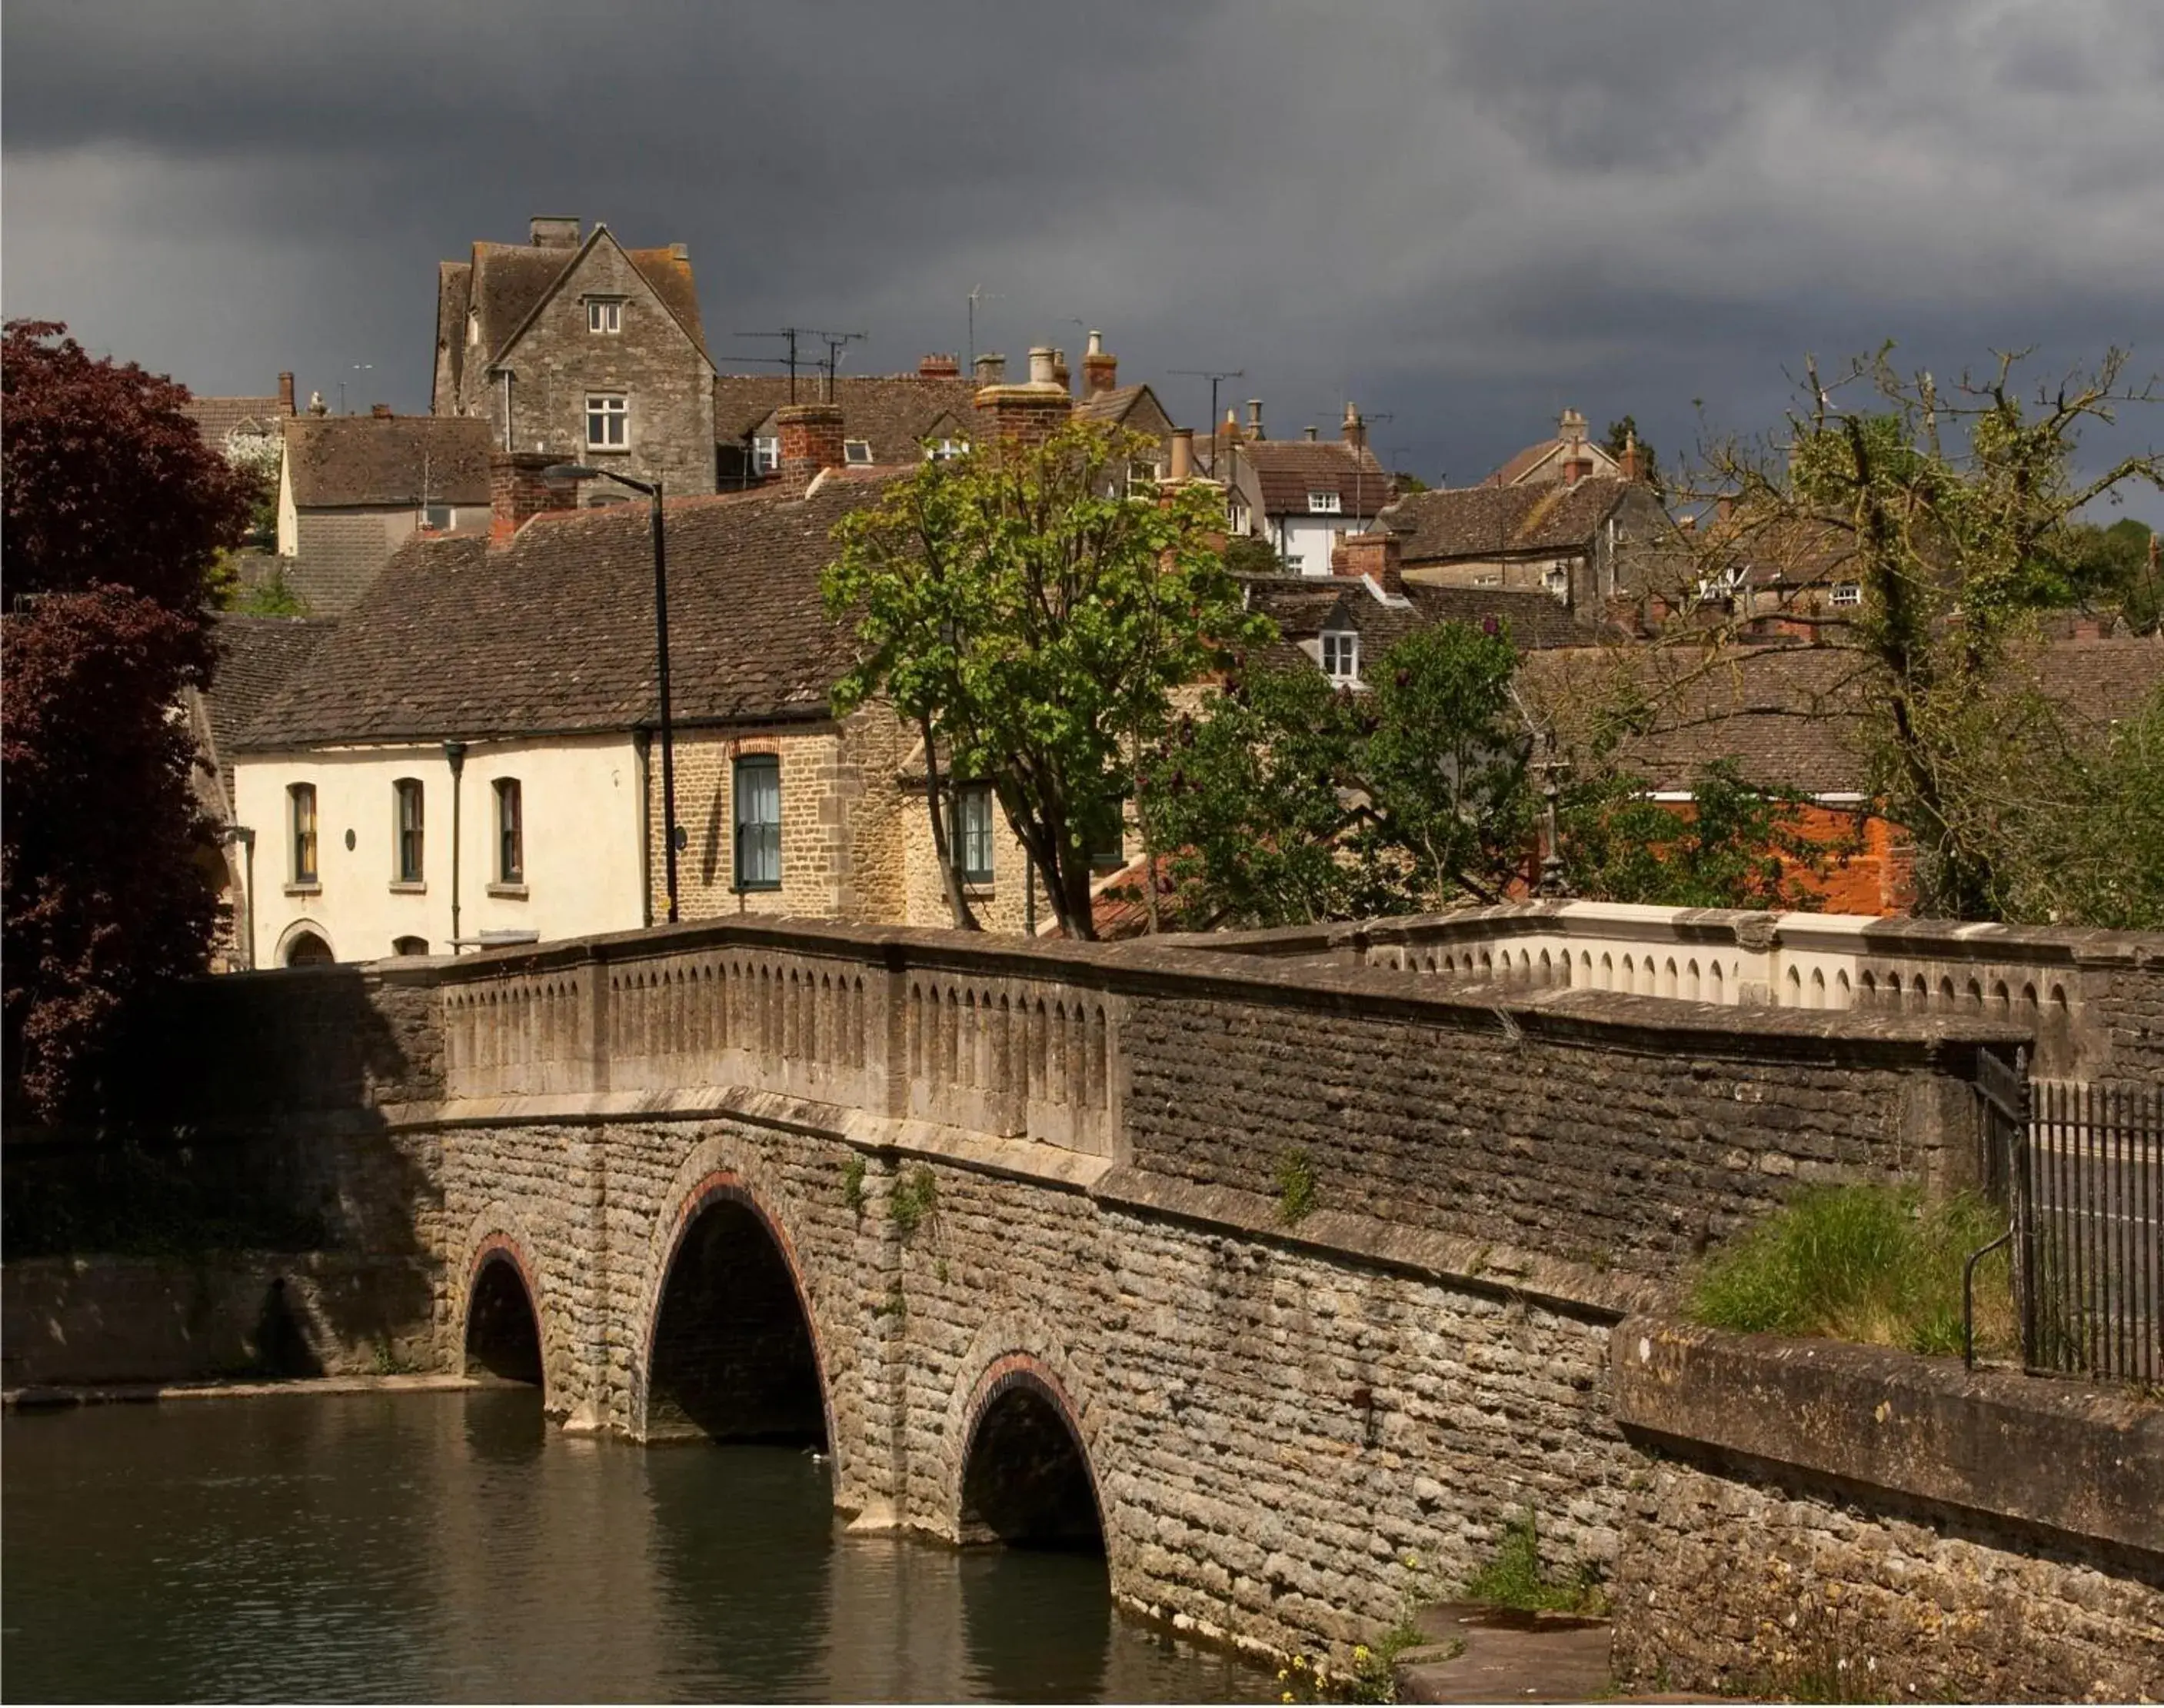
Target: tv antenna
<point>1216,376</point>
<point>359,368</point>
<point>978,294</point>
<point>1360,463</point>
<point>835,343</point>
<point>791,335</point>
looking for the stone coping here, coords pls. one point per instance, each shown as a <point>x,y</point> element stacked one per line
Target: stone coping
<point>2083,1461</point>
<point>1749,929</point>
<point>1480,1266</point>
<point>1173,972</point>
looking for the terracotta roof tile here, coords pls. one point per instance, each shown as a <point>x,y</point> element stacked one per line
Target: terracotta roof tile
<point>894,413</point>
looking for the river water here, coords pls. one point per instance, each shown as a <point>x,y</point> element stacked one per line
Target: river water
<point>453,1546</point>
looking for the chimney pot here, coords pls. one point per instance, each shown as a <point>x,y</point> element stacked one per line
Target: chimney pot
<point>1254,417</point>
<point>939,367</point>
<point>1628,462</point>
<point>1060,376</point>
<point>811,435</point>
<point>1570,429</point>
<point>1182,454</point>
<point>517,493</point>
<point>680,251</point>
<point>1028,414</point>
<point>553,231</point>
<point>1041,359</point>
<point>1355,430</point>
<point>1100,368</point>
<point>285,392</point>
<point>316,404</point>
<point>381,411</point>
<point>1308,433</point>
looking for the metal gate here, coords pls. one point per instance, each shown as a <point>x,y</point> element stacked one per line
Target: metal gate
<point>2081,1168</point>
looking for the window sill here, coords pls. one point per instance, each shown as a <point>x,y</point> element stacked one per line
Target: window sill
<point>316,888</point>
<point>979,889</point>
<point>754,889</point>
<point>608,450</point>
<point>508,892</point>
<point>404,889</point>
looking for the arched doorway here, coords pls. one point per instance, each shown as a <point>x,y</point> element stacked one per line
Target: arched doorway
<point>503,1334</point>
<point>733,1355</point>
<point>304,948</point>
<point>1025,1479</point>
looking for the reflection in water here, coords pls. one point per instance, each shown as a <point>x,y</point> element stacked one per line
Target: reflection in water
<point>386,1548</point>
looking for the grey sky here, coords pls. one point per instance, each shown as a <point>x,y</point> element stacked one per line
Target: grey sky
<point>1464,217</point>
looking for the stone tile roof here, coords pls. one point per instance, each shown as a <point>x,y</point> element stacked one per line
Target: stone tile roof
<point>893,412</point>
<point>378,459</point>
<point>256,657</point>
<point>1287,469</point>
<point>1304,607</point>
<point>553,633</point>
<point>1792,716</point>
<point>1486,522</point>
<point>218,419</point>
<point>1112,405</point>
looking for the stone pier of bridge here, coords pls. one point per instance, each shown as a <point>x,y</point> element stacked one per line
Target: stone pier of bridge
<point>1289,1275</point>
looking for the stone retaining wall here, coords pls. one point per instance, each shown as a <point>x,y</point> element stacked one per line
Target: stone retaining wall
<point>1847,1523</point>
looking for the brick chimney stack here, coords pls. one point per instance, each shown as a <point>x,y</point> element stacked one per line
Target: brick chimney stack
<point>285,392</point>
<point>1100,368</point>
<point>938,367</point>
<point>381,411</point>
<point>1377,555</point>
<point>1060,376</point>
<point>1628,462</point>
<point>811,436</point>
<point>517,493</point>
<point>1356,431</point>
<point>1029,413</point>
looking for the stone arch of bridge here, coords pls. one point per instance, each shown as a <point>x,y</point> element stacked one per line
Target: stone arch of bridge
<point>1023,1472</point>
<point>498,1279</point>
<point>731,1343</point>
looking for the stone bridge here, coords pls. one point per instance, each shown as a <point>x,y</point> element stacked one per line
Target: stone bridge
<point>1274,1272</point>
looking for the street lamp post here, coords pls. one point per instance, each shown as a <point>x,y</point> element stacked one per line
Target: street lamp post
<point>671,836</point>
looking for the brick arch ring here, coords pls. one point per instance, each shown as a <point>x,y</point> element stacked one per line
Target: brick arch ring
<point>495,1236</point>
<point>1009,1371</point>
<point>725,1185</point>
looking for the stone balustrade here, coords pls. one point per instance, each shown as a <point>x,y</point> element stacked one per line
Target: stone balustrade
<point>2090,998</point>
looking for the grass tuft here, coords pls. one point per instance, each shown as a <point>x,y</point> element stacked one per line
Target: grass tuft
<point>1296,1184</point>
<point>1513,1577</point>
<point>1872,1264</point>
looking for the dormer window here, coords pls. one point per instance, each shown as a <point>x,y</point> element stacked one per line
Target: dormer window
<point>1341,655</point>
<point>857,451</point>
<point>1325,504</point>
<point>605,314</point>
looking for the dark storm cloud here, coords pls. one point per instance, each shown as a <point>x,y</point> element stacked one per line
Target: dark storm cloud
<point>1464,217</point>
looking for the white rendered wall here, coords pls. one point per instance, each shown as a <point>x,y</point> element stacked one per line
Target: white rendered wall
<point>583,849</point>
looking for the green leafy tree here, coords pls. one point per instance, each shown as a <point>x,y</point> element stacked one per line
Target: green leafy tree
<point>1288,801</point>
<point>1031,618</point>
<point>1246,556</point>
<point>1444,763</point>
<point>1735,846</point>
<point>1250,795</point>
<point>2113,567</point>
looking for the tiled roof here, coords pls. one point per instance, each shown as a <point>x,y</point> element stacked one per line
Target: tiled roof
<point>1485,521</point>
<point>1287,469</point>
<point>217,418</point>
<point>893,412</point>
<point>1110,405</point>
<point>553,633</point>
<point>1304,607</point>
<point>670,274</point>
<point>1791,716</point>
<point>256,657</point>
<point>1533,455</point>
<point>355,459</point>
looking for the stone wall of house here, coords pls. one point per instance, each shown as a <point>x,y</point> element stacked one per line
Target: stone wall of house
<point>653,362</point>
<point>1844,1523</point>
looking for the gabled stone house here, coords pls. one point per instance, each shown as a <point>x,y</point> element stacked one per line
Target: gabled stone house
<point>1568,458</point>
<point>1304,496</point>
<point>581,348</point>
<point>1585,543</point>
